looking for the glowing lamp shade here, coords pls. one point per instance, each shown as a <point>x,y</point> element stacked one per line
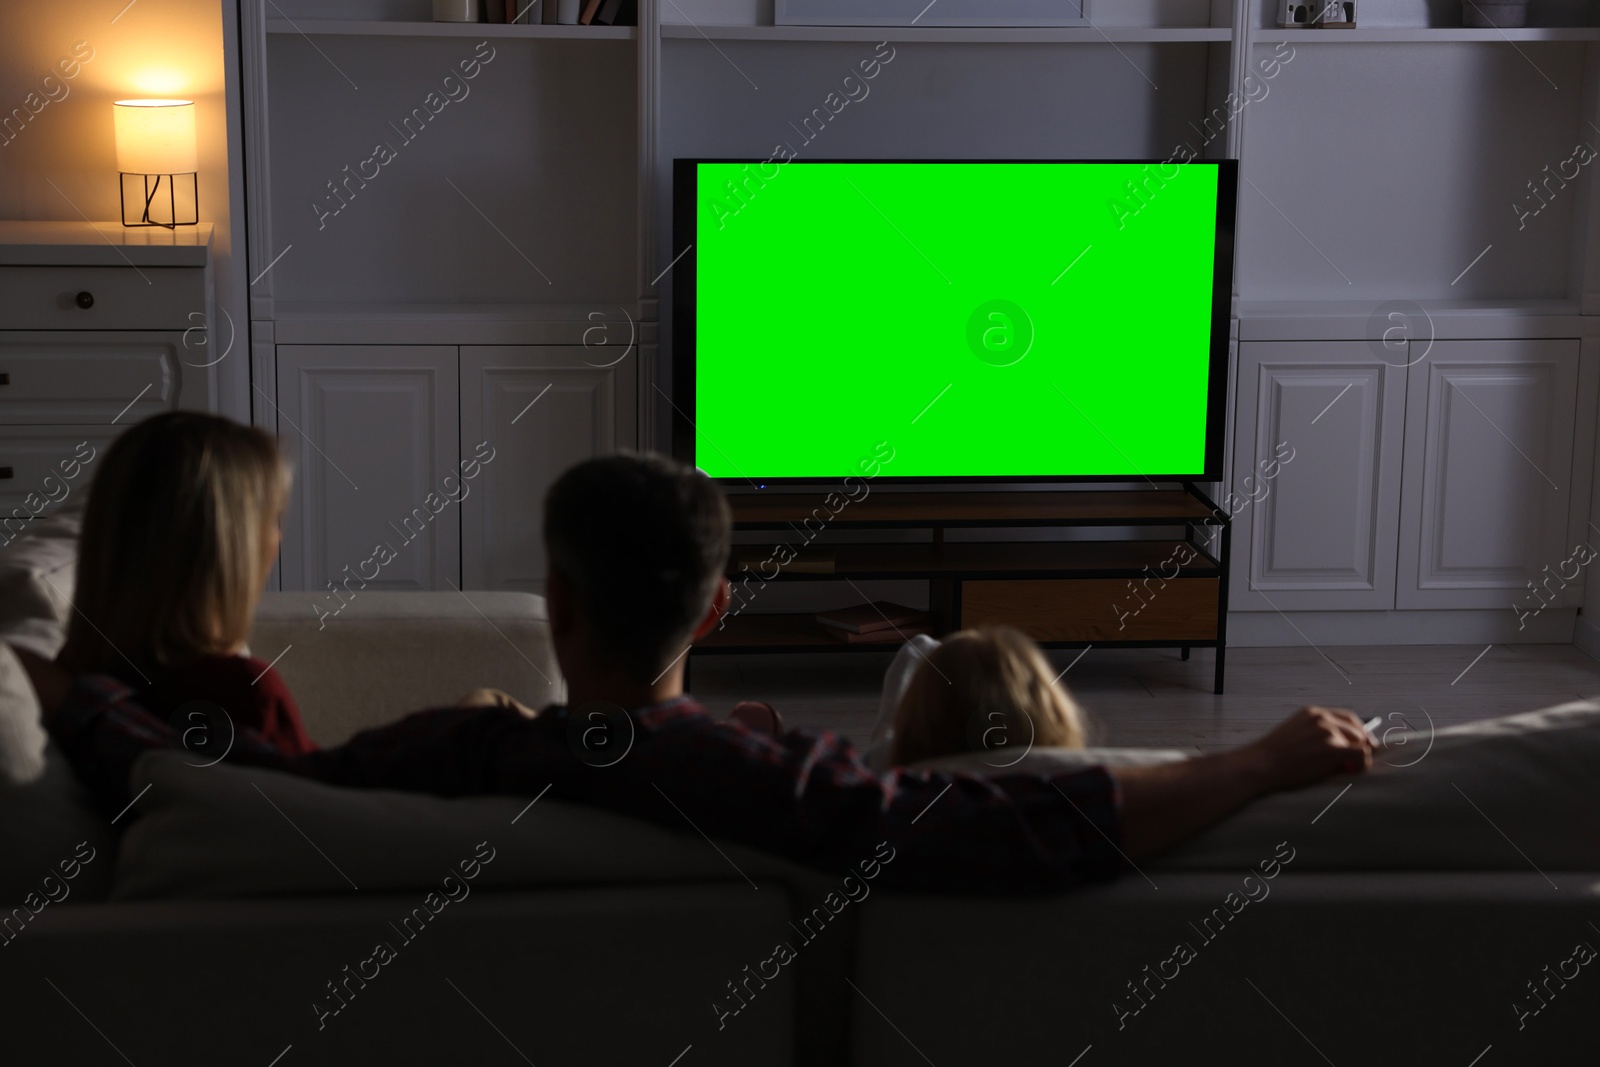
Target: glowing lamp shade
<point>155,136</point>
<point>156,141</point>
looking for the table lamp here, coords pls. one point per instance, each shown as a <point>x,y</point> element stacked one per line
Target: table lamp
<point>156,148</point>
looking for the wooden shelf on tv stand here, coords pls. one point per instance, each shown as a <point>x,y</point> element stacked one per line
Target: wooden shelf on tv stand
<point>1127,591</point>
<point>881,510</point>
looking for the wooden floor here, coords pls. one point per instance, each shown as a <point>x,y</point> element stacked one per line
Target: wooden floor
<point>1150,697</point>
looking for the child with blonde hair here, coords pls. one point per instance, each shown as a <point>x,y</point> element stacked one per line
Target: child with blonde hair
<point>984,690</point>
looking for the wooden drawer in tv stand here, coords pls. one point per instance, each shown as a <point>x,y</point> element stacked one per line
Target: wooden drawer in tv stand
<point>1129,592</point>
<point>1075,609</point>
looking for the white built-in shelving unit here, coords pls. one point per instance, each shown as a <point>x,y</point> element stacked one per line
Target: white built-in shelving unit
<point>1429,349</point>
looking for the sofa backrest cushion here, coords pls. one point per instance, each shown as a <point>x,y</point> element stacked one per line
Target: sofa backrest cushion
<point>224,831</point>
<point>1511,794</point>
<point>1520,793</point>
<point>415,650</point>
<point>54,843</point>
<point>49,825</point>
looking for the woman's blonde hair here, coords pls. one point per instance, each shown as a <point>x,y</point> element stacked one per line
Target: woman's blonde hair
<point>984,690</point>
<point>171,555</point>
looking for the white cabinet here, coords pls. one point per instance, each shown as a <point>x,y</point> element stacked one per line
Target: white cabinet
<point>1320,532</point>
<point>542,409</point>
<point>1438,476</point>
<point>374,435</point>
<point>440,454</point>
<point>1489,456</point>
<point>90,377</point>
<point>100,327</point>
<point>43,466</point>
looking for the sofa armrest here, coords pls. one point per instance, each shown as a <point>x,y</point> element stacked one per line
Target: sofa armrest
<point>388,654</point>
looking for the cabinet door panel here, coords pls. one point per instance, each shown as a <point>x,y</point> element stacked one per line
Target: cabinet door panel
<point>1320,533</point>
<point>374,432</point>
<point>1489,439</point>
<point>542,409</point>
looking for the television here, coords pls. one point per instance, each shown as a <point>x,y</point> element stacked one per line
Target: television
<point>987,321</point>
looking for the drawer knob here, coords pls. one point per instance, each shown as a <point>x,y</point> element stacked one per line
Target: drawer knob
<point>85,300</point>
<point>7,473</point>
<point>5,379</point>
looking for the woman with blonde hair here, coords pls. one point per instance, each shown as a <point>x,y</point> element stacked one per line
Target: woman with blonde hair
<point>984,690</point>
<point>179,535</point>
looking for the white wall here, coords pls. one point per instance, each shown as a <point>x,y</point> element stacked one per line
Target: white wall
<point>62,165</point>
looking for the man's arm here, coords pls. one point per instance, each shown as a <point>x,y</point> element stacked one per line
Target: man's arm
<point>807,797</point>
<point>1029,832</point>
<point>1166,804</point>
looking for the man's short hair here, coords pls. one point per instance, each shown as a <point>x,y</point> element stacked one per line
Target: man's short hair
<point>643,542</point>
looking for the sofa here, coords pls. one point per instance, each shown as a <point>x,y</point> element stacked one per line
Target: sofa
<point>1435,912</point>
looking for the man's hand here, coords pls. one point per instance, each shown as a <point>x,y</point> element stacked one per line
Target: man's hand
<point>1162,805</point>
<point>1307,747</point>
<point>50,682</point>
<point>494,698</point>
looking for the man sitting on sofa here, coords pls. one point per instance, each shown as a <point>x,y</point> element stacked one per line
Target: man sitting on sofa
<point>638,546</point>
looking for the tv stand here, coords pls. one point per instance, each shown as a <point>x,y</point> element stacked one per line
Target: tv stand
<point>1123,591</point>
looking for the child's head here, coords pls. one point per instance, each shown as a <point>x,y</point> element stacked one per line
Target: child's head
<point>178,537</point>
<point>984,690</point>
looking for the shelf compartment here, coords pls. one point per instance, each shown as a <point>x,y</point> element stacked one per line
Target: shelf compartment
<point>880,510</point>
<point>955,35</point>
<point>381,28</point>
<point>1015,560</point>
<point>1057,614</point>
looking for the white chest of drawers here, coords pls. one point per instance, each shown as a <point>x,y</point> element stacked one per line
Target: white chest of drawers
<point>100,326</point>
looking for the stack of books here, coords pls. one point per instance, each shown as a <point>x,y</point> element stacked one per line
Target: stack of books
<point>880,623</point>
<point>549,12</point>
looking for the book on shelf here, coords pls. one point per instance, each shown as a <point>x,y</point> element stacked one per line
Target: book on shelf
<point>548,12</point>
<point>494,12</point>
<point>618,13</point>
<point>878,617</point>
<point>591,8</point>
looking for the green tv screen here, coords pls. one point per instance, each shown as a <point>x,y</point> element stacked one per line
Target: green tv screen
<point>982,320</point>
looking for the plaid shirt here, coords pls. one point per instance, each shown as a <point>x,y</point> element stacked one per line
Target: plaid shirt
<point>805,797</point>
